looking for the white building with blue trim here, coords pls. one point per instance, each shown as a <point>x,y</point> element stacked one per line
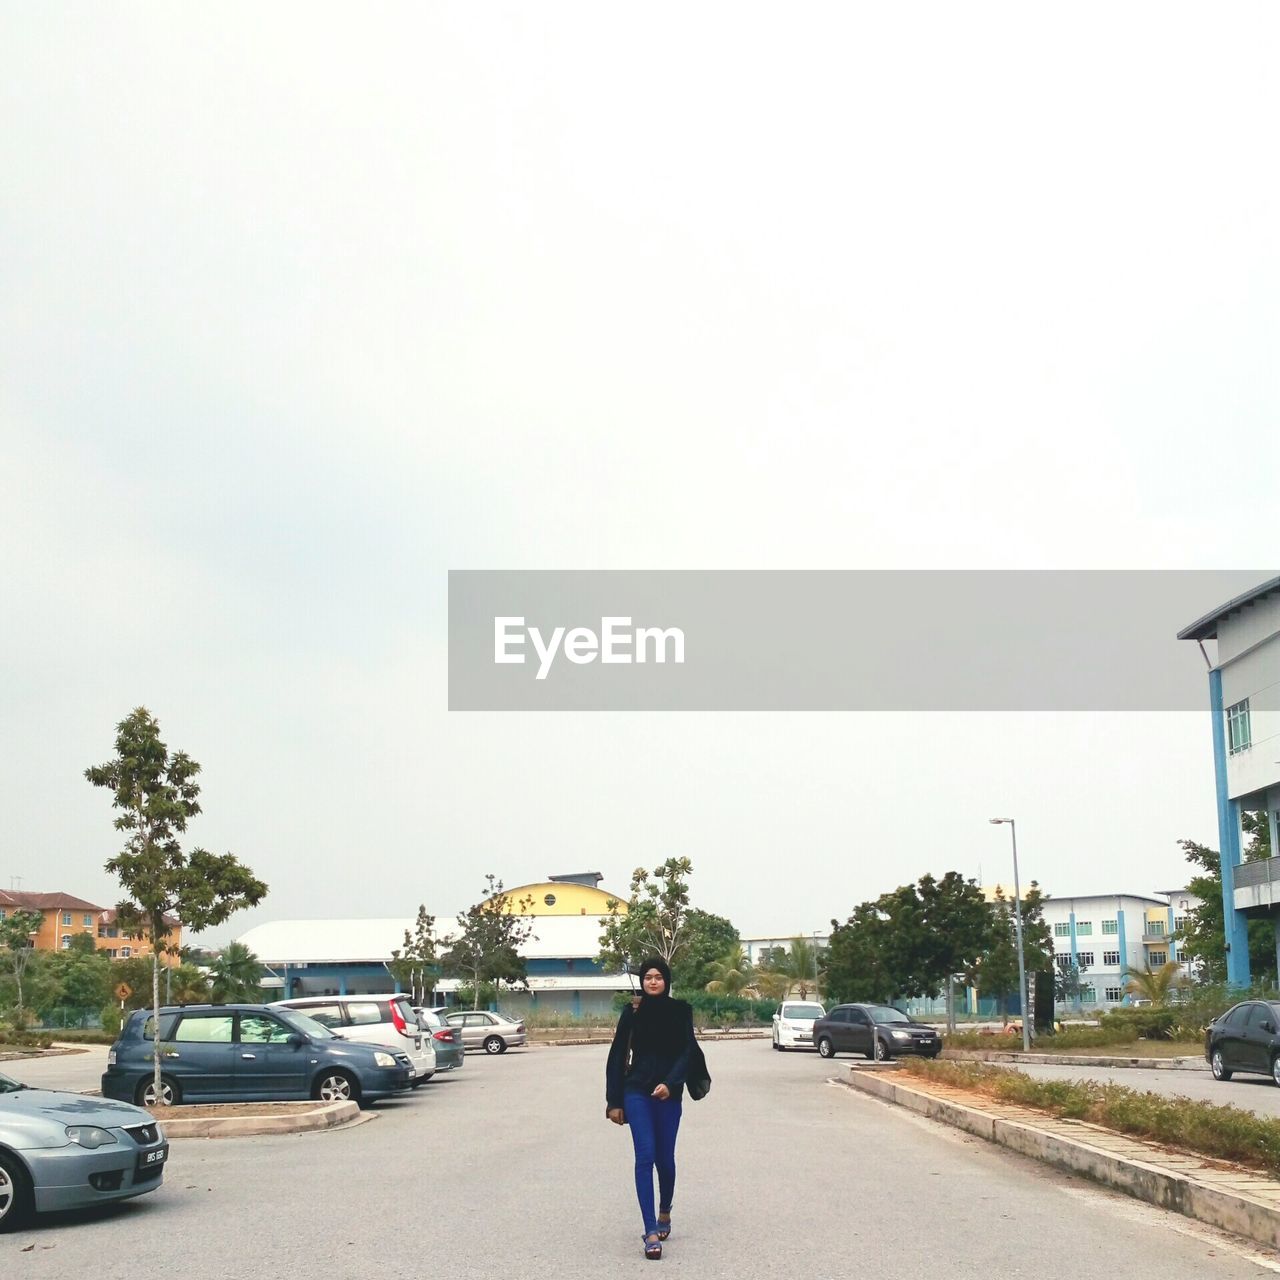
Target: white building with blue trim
<point>1244,704</point>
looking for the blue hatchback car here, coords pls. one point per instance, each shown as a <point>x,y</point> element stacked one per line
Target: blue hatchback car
<point>236,1052</point>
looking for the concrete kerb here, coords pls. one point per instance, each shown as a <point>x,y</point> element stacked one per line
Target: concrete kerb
<point>1075,1060</point>
<point>211,1124</point>
<point>1236,1200</point>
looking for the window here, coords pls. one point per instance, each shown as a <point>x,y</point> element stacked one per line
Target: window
<point>1158,958</point>
<point>258,1028</point>
<point>328,1015</point>
<point>1085,959</point>
<point>1114,995</point>
<point>1084,928</point>
<point>1110,926</point>
<point>125,952</point>
<point>364,1013</point>
<point>1258,1014</point>
<point>1156,928</point>
<point>1063,961</point>
<point>1062,929</point>
<point>66,918</point>
<point>215,1029</point>
<point>66,942</point>
<point>88,921</point>
<point>1110,957</point>
<point>1088,995</point>
<point>1,913</point>
<point>1238,736</point>
<point>1179,923</point>
<point>550,899</point>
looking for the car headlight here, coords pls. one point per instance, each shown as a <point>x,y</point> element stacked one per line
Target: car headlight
<point>111,1057</point>
<point>902,1035</point>
<point>89,1136</point>
<point>384,1059</point>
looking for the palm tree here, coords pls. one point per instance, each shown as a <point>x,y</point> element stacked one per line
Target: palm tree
<point>772,984</point>
<point>234,975</point>
<point>733,973</point>
<point>802,963</point>
<point>1156,985</point>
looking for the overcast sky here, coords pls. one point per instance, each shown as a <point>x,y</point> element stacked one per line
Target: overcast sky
<point>303,306</point>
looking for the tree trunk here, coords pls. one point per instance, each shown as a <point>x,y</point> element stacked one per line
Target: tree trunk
<point>155,1013</point>
<point>1029,1007</point>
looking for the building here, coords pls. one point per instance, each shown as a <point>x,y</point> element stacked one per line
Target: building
<point>344,957</point>
<point>1244,704</point>
<point>66,917</point>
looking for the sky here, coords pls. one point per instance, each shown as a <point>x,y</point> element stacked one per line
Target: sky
<point>304,306</point>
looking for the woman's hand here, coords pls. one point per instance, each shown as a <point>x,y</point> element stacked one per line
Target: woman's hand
<point>615,1114</point>
<point>662,1093</point>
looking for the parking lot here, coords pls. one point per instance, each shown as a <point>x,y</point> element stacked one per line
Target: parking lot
<point>508,1167</point>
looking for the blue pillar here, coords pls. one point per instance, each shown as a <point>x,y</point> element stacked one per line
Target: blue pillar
<point>577,1004</point>
<point>1124,952</point>
<point>342,984</point>
<point>1072,922</point>
<point>1173,946</point>
<point>1237,927</point>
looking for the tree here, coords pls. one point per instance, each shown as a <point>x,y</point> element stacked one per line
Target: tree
<point>16,932</point>
<point>856,969</point>
<point>491,933</point>
<point>731,974</point>
<point>82,975</point>
<point>414,966</point>
<point>1067,985</point>
<point>1155,985</point>
<point>708,938</point>
<point>655,922</point>
<point>1203,937</point>
<point>235,975</point>
<point>156,793</point>
<point>996,971</point>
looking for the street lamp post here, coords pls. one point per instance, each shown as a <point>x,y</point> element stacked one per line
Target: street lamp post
<point>1017,920</point>
<point>816,993</point>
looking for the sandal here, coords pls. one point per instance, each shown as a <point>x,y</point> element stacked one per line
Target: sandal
<point>664,1228</point>
<point>653,1247</point>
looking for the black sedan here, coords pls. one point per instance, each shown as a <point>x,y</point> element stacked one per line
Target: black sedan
<point>877,1030</point>
<point>1245,1038</point>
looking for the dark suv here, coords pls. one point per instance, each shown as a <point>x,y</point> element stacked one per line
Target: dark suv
<point>877,1030</point>
<point>233,1052</point>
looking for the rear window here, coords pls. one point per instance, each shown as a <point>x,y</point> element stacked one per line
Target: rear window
<point>406,1011</point>
<point>802,1011</point>
<point>166,1026</point>
<point>429,1019</point>
<point>364,1013</point>
<point>328,1015</point>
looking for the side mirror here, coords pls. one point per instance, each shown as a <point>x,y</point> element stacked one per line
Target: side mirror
<point>1269,1028</point>
<point>296,1041</point>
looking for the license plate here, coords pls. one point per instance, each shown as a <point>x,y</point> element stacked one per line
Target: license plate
<point>149,1159</point>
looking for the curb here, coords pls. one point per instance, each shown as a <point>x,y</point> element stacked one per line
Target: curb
<point>608,1039</point>
<point>1236,1200</point>
<point>328,1116</point>
<point>1075,1060</point>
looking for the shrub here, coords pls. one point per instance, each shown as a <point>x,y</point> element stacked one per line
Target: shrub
<point>1146,1023</point>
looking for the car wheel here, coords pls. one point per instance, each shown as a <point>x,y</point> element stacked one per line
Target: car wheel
<point>335,1086</point>
<point>1220,1071</point>
<point>881,1050</point>
<point>15,1193</point>
<point>825,1048</point>
<point>494,1044</point>
<point>776,1045</point>
<point>169,1096</point>
<point>1275,1068</point>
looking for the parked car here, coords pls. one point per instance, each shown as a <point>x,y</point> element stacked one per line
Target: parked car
<point>793,1024</point>
<point>492,1032</point>
<point>450,1052</point>
<point>1245,1038</point>
<point>877,1030</point>
<point>387,1020</point>
<point>235,1052</point>
<point>67,1151</point>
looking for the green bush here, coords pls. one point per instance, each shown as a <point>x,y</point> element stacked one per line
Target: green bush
<point>1146,1023</point>
<point>1226,1133</point>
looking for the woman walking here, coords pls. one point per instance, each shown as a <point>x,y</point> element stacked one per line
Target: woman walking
<point>654,1053</point>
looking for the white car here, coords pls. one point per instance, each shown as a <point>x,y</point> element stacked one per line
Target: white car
<point>793,1024</point>
<point>386,1020</point>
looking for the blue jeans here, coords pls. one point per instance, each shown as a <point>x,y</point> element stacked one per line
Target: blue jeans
<point>654,1126</point>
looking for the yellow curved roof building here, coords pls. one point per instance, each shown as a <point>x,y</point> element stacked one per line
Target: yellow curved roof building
<point>565,896</point>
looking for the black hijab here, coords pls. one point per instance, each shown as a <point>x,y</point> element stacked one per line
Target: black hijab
<point>658,1019</point>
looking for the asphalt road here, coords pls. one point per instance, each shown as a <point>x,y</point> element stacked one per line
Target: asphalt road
<point>509,1168</point>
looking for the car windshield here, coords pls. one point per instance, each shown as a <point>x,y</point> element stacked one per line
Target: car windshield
<point>802,1011</point>
<point>308,1026</point>
<point>10,1086</point>
<point>883,1013</point>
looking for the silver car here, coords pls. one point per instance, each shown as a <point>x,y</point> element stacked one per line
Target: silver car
<point>67,1151</point>
<point>447,1040</point>
<point>492,1032</point>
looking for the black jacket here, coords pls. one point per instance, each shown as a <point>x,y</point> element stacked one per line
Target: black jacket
<point>660,1053</point>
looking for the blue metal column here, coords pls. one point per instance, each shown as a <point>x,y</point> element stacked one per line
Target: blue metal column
<point>1237,927</point>
<point>1173,946</point>
<point>1124,951</point>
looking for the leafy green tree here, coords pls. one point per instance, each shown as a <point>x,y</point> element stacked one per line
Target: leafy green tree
<point>1203,937</point>
<point>415,966</point>
<point>656,919</point>
<point>708,938</point>
<point>996,970</point>
<point>1155,985</point>
<point>731,974</point>
<point>856,968</point>
<point>1067,986</point>
<point>17,931</point>
<point>235,975</point>
<point>156,794</point>
<point>83,976</point>
<point>491,933</point>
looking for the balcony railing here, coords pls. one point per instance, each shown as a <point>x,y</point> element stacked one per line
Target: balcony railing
<point>1257,885</point>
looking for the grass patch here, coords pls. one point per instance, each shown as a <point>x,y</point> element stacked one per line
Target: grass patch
<point>1082,1040</point>
<point>1226,1133</point>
